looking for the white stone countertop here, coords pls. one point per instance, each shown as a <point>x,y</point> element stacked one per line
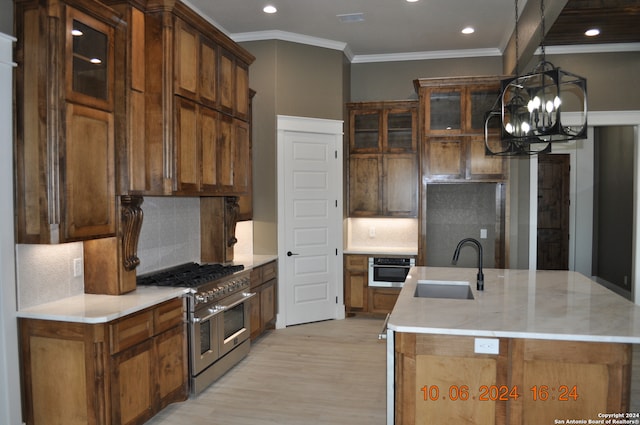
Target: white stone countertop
<point>91,308</point>
<point>554,305</point>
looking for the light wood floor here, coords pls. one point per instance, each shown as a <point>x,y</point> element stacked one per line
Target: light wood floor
<point>321,373</point>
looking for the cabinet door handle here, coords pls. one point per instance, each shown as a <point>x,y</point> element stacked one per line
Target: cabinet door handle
<point>289,254</point>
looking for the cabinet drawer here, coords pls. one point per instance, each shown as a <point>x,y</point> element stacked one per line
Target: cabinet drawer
<point>269,271</point>
<point>131,330</point>
<point>168,315</point>
<point>356,262</point>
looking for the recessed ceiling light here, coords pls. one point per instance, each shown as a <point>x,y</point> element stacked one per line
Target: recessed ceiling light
<point>592,32</point>
<point>269,9</point>
<point>468,30</point>
<point>411,1</point>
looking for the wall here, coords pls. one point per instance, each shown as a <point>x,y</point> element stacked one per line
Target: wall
<point>10,412</point>
<point>611,78</point>
<point>289,79</point>
<point>613,240</point>
<point>394,80</point>
<point>6,17</point>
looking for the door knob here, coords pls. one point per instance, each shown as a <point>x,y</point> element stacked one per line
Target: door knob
<point>289,254</point>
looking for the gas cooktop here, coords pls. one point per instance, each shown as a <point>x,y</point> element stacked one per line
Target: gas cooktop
<point>188,275</point>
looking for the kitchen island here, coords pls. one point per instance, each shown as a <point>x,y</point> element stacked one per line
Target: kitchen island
<point>535,347</point>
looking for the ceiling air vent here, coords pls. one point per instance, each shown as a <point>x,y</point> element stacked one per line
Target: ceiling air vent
<point>351,17</point>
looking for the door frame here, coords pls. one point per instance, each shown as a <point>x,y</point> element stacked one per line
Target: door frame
<point>286,123</point>
<point>577,261</point>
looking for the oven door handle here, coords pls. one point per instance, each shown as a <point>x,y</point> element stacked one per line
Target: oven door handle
<point>220,308</point>
<point>245,296</point>
<point>214,311</point>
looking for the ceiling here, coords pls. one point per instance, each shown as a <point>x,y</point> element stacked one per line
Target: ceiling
<point>397,29</point>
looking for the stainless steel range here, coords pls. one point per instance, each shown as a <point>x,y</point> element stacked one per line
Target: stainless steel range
<point>218,316</point>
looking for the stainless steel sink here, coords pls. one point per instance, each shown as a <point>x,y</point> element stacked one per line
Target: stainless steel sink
<point>453,289</point>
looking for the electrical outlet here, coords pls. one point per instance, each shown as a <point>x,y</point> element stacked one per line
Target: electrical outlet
<point>487,346</point>
<point>372,231</point>
<point>483,233</point>
<point>78,267</point>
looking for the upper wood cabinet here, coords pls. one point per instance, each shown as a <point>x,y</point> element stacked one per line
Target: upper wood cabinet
<point>452,113</point>
<point>383,161</point>
<point>65,129</point>
<point>383,127</point>
<point>181,75</point>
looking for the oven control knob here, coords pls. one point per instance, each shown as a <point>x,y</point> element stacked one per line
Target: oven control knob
<point>200,298</point>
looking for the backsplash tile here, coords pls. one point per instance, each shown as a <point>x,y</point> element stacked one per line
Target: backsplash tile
<point>170,233</point>
<point>170,236</point>
<point>386,233</point>
<point>45,273</point>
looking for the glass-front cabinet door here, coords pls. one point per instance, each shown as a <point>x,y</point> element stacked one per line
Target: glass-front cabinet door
<point>482,100</point>
<point>365,131</point>
<point>89,65</point>
<point>400,130</point>
<point>445,111</point>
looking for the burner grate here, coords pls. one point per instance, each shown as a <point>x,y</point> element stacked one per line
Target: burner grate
<point>188,275</point>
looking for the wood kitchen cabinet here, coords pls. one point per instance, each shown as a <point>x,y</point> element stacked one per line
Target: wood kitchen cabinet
<point>359,298</point>
<point>452,129</point>
<point>263,306</point>
<point>383,185</point>
<point>383,160</point>
<point>64,139</point>
<point>355,283</point>
<point>119,372</point>
<point>198,106</point>
<point>441,379</point>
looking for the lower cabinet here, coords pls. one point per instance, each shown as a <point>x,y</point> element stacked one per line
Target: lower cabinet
<point>121,372</point>
<point>359,298</point>
<point>263,307</point>
<point>441,379</point>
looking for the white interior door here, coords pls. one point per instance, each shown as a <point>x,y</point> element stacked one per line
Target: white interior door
<point>309,219</point>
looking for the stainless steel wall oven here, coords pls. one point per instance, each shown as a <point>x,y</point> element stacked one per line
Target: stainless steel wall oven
<point>389,272</point>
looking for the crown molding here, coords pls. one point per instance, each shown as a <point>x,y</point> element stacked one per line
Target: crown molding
<point>590,48</point>
<point>288,36</point>
<point>440,54</point>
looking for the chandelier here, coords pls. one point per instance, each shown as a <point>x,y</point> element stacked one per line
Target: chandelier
<point>530,108</point>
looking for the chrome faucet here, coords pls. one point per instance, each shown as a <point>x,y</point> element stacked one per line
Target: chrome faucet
<point>456,254</point>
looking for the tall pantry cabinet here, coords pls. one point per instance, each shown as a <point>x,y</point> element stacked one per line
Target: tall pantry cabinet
<point>65,154</point>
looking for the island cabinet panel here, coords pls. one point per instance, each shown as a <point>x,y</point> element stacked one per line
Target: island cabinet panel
<point>263,306</point>
<point>114,373</point>
<point>441,379</point>
<point>567,379</point>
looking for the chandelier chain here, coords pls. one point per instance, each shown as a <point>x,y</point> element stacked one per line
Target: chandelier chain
<point>543,29</point>
<point>517,40</point>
